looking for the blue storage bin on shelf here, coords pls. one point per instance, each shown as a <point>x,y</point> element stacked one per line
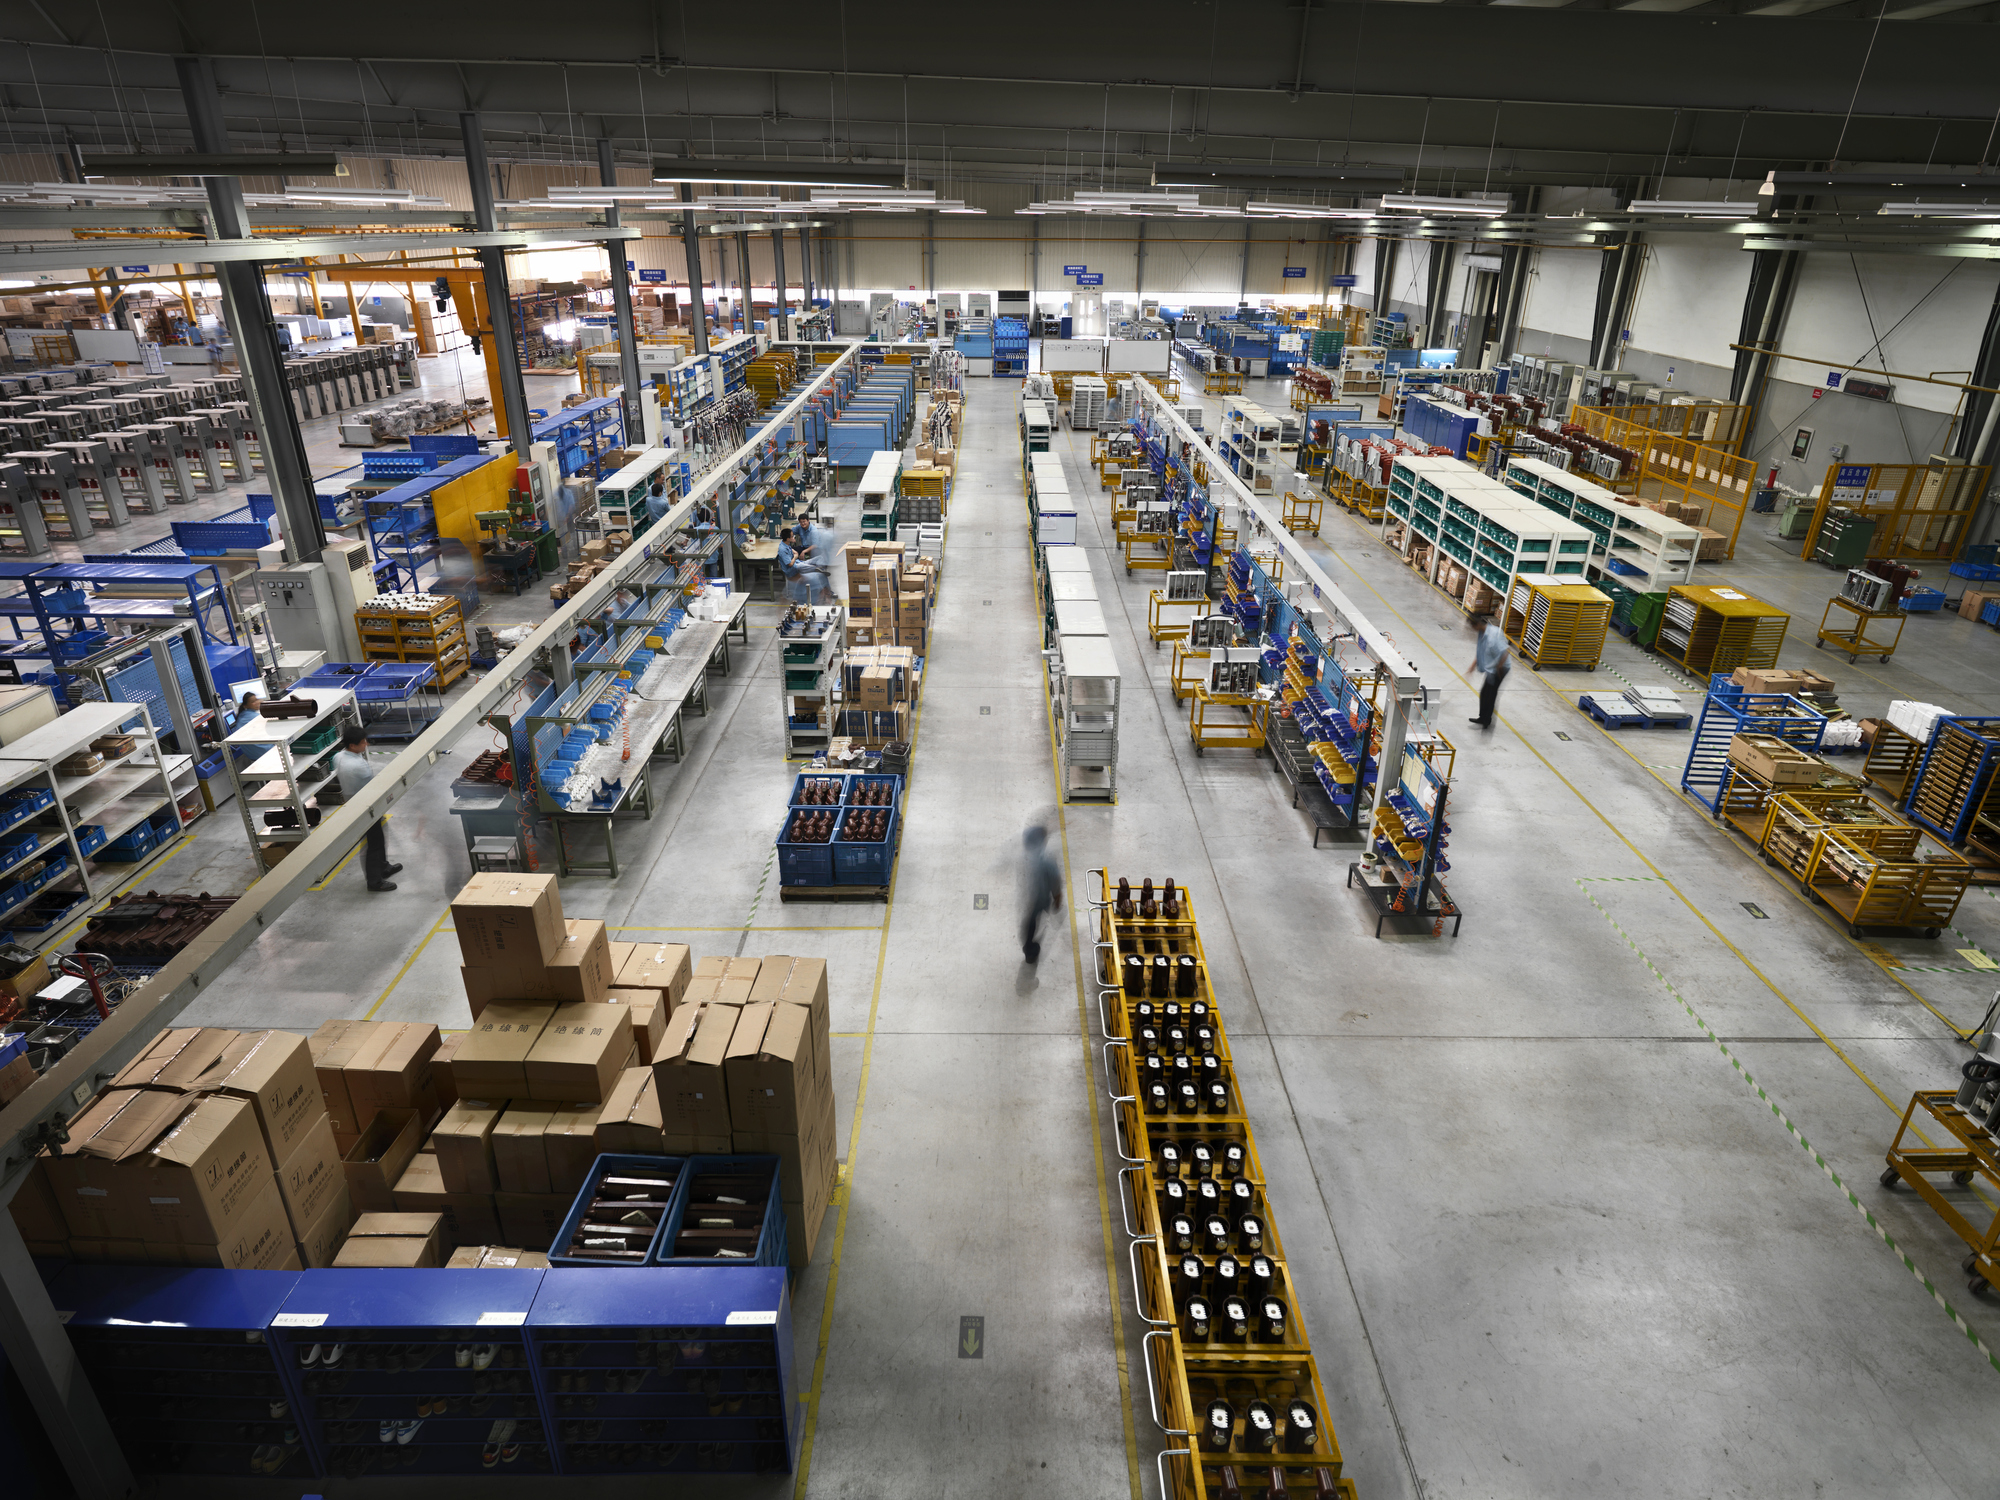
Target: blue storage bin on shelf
<point>1923,601</point>
<point>89,838</point>
<point>799,798</point>
<point>134,845</point>
<point>802,863</point>
<point>17,847</point>
<point>211,767</point>
<point>13,894</point>
<point>1990,613</point>
<point>564,1252</point>
<point>686,1241</point>
<point>858,862</point>
<point>855,793</point>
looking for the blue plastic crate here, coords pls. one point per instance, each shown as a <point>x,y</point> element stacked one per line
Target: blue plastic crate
<point>803,864</point>
<point>1923,601</point>
<point>864,863</point>
<point>772,1247</point>
<point>1977,572</point>
<point>130,846</point>
<point>13,894</point>
<point>855,783</point>
<point>1990,614</point>
<point>608,1165</point>
<point>210,767</point>
<point>799,790</point>
<point>18,847</point>
<point>89,838</point>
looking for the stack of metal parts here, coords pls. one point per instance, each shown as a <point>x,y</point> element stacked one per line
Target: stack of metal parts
<point>403,418</point>
<point>151,928</point>
<point>1655,702</point>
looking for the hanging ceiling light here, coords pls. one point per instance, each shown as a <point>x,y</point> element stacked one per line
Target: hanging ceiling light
<point>1941,210</point>
<point>1484,205</point>
<point>1305,211</point>
<point>795,174</point>
<point>1693,210</point>
<point>575,194</point>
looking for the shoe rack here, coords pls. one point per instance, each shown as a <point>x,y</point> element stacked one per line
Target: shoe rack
<point>689,1373</point>
<point>185,1366</point>
<point>415,1372</point>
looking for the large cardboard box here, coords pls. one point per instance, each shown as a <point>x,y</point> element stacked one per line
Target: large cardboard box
<point>569,1142</point>
<point>649,1010</point>
<point>712,967</point>
<point>629,1124</point>
<point>492,1058</point>
<point>912,610</point>
<point>520,1157</point>
<point>260,1239</point>
<point>813,1152</point>
<point>399,1240</point>
<point>38,1215</point>
<point>873,690</point>
<point>497,1258</point>
<point>442,1078</point>
<point>391,1069</point>
<point>688,1072</point>
<point>1775,760</point>
<point>379,1156</point>
<point>580,1052</point>
<point>504,918</point>
<point>531,1220</point>
<point>581,967</point>
<point>469,1218</point>
<point>800,981</point>
<point>333,1046</point>
<point>176,1058</point>
<point>322,1238</point>
<point>161,1166</point>
<point>312,1177</point>
<point>463,1141</point>
<point>803,1221</point>
<point>273,1071</point>
<point>16,1078</point>
<point>1973,601</point>
<point>769,1069</point>
<point>657,966</point>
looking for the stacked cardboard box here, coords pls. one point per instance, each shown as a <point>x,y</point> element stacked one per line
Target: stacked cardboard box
<point>879,685</point>
<point>212,1149</point>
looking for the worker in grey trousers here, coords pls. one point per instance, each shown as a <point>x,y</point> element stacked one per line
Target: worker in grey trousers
<point>1492,658</point>
<point>355,771</point>
<point>1041,890</point>
<point>825,545</point>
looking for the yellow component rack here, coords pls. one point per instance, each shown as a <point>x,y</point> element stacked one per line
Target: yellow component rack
<point>1557,624</point>
<point>1229,1368</point>
<point>1717,629</point>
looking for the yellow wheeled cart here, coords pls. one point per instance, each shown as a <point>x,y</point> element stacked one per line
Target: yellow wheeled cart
<point>1886,877</point>
<point>1157,626</point>
<point>1302,512</point>
<point>1859,632</point>
<point>1970,1158</point>
<point>1189,670</point>
<point>1365,500</point>
<point>1557,624</point>
<point>1223,383</point>
<point>1205,729</point>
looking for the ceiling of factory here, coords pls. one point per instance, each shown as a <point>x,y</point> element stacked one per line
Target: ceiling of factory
<point>1463,96</point>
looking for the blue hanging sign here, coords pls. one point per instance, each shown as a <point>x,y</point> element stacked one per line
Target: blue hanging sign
<point>631,265</point>
<point>136,270</point>
<point>1346,281</point>
<point>652,275</point>
<point>1295,273</point>
<point>1074,270</point>
<point>1090,278</point>
<point>1832,379</point>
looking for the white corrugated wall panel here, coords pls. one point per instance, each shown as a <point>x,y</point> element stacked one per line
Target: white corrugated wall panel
<point>1194,261</point>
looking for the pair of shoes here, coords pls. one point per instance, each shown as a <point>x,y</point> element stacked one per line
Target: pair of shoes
<point>387,885</point>
<point>1480,722</point>
<point>327,1355</point>
<point>393,870</point>
<point>1031,952</point>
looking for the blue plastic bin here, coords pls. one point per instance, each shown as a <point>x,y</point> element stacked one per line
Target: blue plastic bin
<point>1923,601</point>
<point>803,864</point>
<point>609,1165</point>
<point>856,863</point>
<point>771,1243</point>
<point>1990,614</point>
<point>855,783</point>
<point>799,790</point>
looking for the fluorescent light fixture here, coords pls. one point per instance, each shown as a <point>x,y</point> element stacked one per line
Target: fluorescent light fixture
<point>726,205</point>
<point>271,164</point>
<point>780,174</point>
<point>1304,211</point>
<point>1941,210</point>
<point>1145,199</point>
<point>1693,210</point>
<point>1326,179</point>
<point>602,194</point>
<point>351,195</point>
<point>874,195</point>
<point>1484,205</point>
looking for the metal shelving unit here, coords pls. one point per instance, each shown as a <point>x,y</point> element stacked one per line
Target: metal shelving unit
<point>291,760</point>
<point>810,656</point>
<point>1087,702</point>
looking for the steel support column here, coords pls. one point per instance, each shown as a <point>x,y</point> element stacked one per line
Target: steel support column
<point>1438,282</point>
<point>697,302</point>
<point>1139,273</point>
<point>513,396</point>
<point>1243,290</point>
<point>805,267</point>
<point>621,303</point>
<point>1767,302</point>
<point>784,313</point>
<point>1385,272</point>
<point>246,309</point>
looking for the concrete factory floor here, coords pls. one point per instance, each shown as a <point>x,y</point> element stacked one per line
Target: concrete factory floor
<point>1545,1188</point>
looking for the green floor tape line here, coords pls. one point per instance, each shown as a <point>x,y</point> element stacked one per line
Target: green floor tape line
<point>1804,1145</point>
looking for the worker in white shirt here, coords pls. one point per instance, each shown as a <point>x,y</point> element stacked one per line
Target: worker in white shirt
<point>352,766</point>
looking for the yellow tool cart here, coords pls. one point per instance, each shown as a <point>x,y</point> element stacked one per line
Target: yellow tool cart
<point>1188,671</point>
<point>1797,819</point>
<point>1959,1114</point>
<point>1157,623</point>
<point>1557,624</point>
<point>1302,512</point>
<point>1231,685</point>
<point>1711,629</point>
<point>1859,632</point>
<point>1222,383</point>
<point>1885,876</point>
<point>1366,500</point>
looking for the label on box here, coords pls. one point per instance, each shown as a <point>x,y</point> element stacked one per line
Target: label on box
<point>299,1320</point>
<point>739,1319</point>
<point>502,1319</point>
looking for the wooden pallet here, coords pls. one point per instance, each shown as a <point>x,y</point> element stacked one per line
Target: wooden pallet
<point>833,893</point>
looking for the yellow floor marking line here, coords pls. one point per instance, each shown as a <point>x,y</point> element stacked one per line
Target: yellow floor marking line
<point>416,953</point>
